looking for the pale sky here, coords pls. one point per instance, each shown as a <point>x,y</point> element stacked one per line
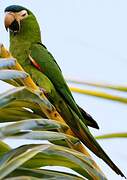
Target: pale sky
<point>89,41</point>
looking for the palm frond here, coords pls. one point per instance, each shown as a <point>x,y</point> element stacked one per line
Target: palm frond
<point>99,94</point>
<point>27,110</point>
<point>99,84</point>
<point>112,135</point>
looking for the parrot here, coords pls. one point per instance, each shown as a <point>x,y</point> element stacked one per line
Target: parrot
<point>26,46</point>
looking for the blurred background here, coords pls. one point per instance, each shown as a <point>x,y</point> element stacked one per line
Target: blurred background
<point>89,41</point>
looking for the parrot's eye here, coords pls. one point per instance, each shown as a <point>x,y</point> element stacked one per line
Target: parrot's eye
<point>23,13</point>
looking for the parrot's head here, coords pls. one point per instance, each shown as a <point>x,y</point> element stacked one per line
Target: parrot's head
<point>14,15</point>
<point>19,20</point>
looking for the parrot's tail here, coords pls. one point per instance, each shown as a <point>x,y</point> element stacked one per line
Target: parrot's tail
<point>83,133</point>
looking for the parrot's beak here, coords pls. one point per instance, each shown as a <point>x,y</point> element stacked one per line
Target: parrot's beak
<point>11,22</point>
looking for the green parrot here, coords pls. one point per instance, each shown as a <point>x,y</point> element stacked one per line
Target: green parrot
<point>27,47</point>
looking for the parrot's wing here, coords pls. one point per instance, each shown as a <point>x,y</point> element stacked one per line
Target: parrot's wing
<point>45,62</point>
<point>90,121</point>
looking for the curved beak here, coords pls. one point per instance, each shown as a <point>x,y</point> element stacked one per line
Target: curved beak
<point>11,22</point>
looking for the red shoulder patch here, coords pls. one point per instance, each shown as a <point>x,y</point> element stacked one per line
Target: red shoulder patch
<point>36,65</point>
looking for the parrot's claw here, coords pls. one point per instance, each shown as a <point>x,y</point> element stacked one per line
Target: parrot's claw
<point>44,91</point>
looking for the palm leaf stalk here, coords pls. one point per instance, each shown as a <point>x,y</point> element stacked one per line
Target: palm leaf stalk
<point>99,94</point>
<point>112,135</point>
<point>98,84</point>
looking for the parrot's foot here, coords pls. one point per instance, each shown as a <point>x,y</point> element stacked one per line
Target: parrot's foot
<point>44,91</point>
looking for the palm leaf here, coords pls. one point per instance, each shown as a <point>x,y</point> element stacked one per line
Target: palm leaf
<point>112,135</point>
<point>43,174</point>
<point>33,156</point>
<point>12,74</point>
<point>100,85</point>
<point>23,93</point>
<point>99,94</point>
<point>16,114</point>
<point>30,124</point>
<point>7,62</point>
<point>23,178</point>
<point>4,148</point>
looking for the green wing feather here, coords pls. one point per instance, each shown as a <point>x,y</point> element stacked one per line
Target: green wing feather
<point>51,69</point>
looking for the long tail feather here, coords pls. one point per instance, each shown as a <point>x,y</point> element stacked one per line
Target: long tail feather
<point>83,133</point>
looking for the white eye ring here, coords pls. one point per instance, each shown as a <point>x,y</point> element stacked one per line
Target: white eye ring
<point>23,13</point>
